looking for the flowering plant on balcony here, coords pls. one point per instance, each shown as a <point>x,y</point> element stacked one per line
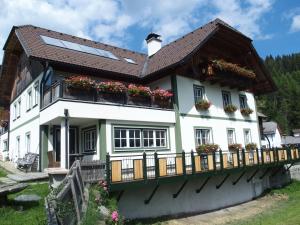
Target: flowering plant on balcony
<point>80,82</point>
<point>230,108</point>
<point>161,94</point>
<point>203,104</point>
<point>111,87</point>
<point>234,147</point>
<point>207,148</point>
<point>250,146</point>
<point>246,111</point>
<point>135,90</point>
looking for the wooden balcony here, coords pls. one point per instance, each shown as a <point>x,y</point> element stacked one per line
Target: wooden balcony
<point>124,171</point>
<point>59,90</point>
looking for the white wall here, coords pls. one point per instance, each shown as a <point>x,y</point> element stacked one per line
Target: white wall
<point>3,154</point>
<point>275,140</point>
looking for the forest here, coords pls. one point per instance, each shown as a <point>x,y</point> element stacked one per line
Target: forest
<point>283,106</point>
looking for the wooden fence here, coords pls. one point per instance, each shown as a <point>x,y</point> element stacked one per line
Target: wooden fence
<point>65,205</point>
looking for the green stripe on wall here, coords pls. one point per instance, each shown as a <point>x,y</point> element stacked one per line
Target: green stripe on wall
<point>177,114</point>
<point>102,138</point>
<point>44,144</point>
<point>216,117</point>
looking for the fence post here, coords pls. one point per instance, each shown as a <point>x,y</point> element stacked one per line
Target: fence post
<point>277,154</point>
<point>193,161</point>
<point>289,153</point>
<point>262,156</point>
<point>145,166</point>
<point>244,157</point>
<point>108,170</point>
<point>183,163</point>
<point>156,165</point>
<point>238,158</point>
<point>257,154</point>
<point>221,160</point>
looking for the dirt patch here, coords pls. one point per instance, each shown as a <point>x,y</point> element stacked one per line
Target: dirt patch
<point>231,214</point>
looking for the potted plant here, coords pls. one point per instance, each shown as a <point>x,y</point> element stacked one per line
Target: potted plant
<point>230,108</point>
<point>246,111</point>
<point>139,95</point>
<point>111,91</point>
<point>251,146</point>
<point>202,105</point>
<point>162,98</point>
<point>234,147</point>
<point>207,148</point>
<point>80,88</point>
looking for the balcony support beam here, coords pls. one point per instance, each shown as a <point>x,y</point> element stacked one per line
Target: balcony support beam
<point>202,186</point>
<point>180,189</point>
<point>237,180</point>
<point>252,176</point>
<point>223,181</point>
<point>147,201</point>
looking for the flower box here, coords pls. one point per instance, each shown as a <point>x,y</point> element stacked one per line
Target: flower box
<point>118,98</point>
<point>202,105</point>
<point>207,148</point>
<point>80,94</point>
<point>230,108</point>
<point>234,147</point>
<point>162,98</point>
<point>139,100</point>
<point>111,91</point>
<point>80,82</point>
<point>135,90</point>
<point>251,146</point>
<point>246,111</point>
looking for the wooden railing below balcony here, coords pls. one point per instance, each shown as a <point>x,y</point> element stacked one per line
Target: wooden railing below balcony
<point>60,90</point>
<point>154,167</point>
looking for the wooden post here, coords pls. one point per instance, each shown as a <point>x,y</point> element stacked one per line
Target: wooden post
<point>156,165</point>
<point>257,156</point>
<point>238,157</point>
<point>193,161</point>
<point>277,154</point>
<point>244,157</point>
<point>145,166</point>
<point>221,160</point>
<point>262,156</point>
<point>108,178</point>
<point>183,163</point>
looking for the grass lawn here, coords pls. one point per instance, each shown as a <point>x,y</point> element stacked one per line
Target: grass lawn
<point>3,173</point>
<point>286,212</point>
<point>31,214</point>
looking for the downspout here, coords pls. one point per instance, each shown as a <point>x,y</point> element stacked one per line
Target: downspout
<point>66,112</point>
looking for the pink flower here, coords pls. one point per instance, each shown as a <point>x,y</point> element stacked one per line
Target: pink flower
<point>115,216</point>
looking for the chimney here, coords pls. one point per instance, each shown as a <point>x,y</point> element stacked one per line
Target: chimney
<point>154,43</point>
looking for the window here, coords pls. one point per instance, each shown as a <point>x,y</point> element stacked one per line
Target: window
<point>140,138</point>
<point>19,108</point>
<point>5,146</point>
<point>35,93</point>
<point>243,102</point>
<point>203,136</point>
<point>18,146</point>
<point>231,136</point>
<point>247,136</point>
<point>226,98</point>
<point>27,142</point>
<point>198,93</point>
<point>15,111</point>
<point>89,139</point>
<point>29,100</point>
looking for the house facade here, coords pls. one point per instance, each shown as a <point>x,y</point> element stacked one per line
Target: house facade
<point>272,136</point>
<point>53,85</point>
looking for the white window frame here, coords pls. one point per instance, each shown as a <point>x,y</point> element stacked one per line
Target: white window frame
<point>225,95</point>
<point>35,93</point>
<point>159,141</point>
<point>199,93</point>
<point>89,146</point>
<point>245,138</point>
<point>199,138</point>
<point>233,141</point>
<point>29,99</point>
<point>27,141</point>
<point>243,101</point>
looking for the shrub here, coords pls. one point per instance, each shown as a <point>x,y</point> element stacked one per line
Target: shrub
<point>161,94</point>
<point>207,148</point>
<point>202,105</point>
<point>234,147</point>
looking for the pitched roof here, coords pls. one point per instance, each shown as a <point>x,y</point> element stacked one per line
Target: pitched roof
<point>287,140</point>
<point>269,127</point>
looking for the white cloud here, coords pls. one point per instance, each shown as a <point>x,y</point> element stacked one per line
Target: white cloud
<point>109,20</point>
<point>295,26</point>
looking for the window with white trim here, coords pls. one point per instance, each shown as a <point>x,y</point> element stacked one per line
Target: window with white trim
<point>29,99</point>
<point>198,93</point>
<point>27,142</point>
<point>247,136</point>
<point>203,136</point>
<point>89,139</point>
<point>243,101</point>
<point>226,98</point>
<point>231,136</point>
<point>36,93</point>
<point>140,138</point>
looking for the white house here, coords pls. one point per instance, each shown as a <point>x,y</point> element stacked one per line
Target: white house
<point>214,65</point>
<point>272,136</point>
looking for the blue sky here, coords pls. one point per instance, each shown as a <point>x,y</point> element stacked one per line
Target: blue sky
<point>274,25</point>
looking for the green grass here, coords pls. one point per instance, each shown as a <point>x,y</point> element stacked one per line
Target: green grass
<point>31,214</point>
<point>3,173</point>
<point>286,212</point>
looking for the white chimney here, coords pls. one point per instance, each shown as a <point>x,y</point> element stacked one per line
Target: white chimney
<point>154,43</point>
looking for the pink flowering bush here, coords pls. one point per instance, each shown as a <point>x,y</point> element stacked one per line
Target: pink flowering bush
<point>115,216</point>
<point>161,94</point>
<point>111,87</point>
<point>80,82</point>
<point>137,90</point>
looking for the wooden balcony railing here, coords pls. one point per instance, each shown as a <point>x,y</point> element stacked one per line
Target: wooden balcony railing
<point>60,90</point>
<point>145,167</point>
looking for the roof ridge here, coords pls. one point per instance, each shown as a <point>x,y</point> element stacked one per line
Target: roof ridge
<point>83,39</point>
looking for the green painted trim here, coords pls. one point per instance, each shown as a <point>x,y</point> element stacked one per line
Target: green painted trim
<point>178,136</point>
<point>22,124</point>
<point>216,117</point>
<point>102,139</point>
<point>44,145</point>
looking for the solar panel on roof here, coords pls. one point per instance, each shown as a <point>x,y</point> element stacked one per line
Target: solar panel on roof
<point>78,47</point>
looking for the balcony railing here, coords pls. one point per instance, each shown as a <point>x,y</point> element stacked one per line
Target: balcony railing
<point>145,167</point>
<point>60,90</point>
